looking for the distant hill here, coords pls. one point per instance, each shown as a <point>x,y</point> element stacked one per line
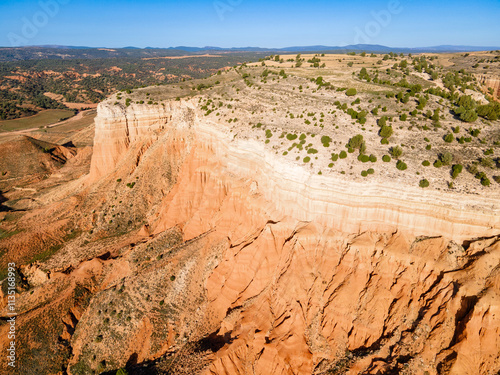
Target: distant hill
<point>81,52</point>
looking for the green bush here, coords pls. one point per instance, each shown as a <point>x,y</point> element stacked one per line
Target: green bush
<point>396,152</point>
<point>335,157</point>
<point>342,155</point>
<point>326,140</point>
<point>426,163</point>
<point>386,131</point>
<point>370,171</point>
<point>448,138</point>
<point>428,147</point>
<point>291,137</point>
<point>307,159</point>
<point>438,164</point>
<point>312,151</point>
<point>401,165</point>
<point>423,183</point>
<point>122,371</point>
<point>487,163</point>
<point>364,173</point>
<point>269,133</point>
<point>446,158</point>
<point>364,158</point>
<point>384,141</point>
<point>356,142</point>
<point>373,158</point>
<point>456,170</point>
<point>485,181</point>
<point>386,158</point>
<point>351,92</point>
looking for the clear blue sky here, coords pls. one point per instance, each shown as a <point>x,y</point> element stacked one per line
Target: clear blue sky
<point>242,23</point>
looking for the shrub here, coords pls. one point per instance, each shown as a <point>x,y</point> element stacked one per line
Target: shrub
<point>326,140</point>
<point>456,170</point>
<point>342,155</point>
<point>373,158</point>
<point>385,131</point>
<point>269,133</point>
<point>364,173</point>
<point>351,92</point>
<point>426,163</point>
<point>423,183</point>
<point>312,151</point>
<point>335,157</point>
<point>307,159</point>
<point>428,147</point>
<point>356,142</point>
<point>371,171</point>
<point>466,115</point>
<point>291,137</point>
<point>438,164</point>
<point>448,138</point>
<point>396,152</point>
<point>485,181</point>
<point>446,158</point>
<point>487,162</point>
<point>386,158</point>
<point>364,158</point>
<point>401,165</point>
<point>384,141</point>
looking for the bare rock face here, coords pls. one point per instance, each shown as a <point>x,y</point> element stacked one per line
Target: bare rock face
<point>491,82</point>
<point>317,274</point>
<point>246,264</point>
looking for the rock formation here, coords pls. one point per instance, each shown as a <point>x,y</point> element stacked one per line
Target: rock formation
<point>317,273</point>
<point>257,263</point>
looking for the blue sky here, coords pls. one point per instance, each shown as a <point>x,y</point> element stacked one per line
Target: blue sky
<point>242,23</point>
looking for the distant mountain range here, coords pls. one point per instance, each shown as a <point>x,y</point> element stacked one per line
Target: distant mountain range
<point>82,52</point>
<point>355,47</point>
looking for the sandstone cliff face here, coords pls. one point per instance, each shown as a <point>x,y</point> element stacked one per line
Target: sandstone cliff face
<point>243,263</point>
<point>215,156</point>
<point>316,274</point>
<point>490,82</point>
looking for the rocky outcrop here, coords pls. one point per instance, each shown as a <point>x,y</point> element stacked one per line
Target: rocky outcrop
<point>200,251</point>
<point>217,161</point>
<point>490,82</point>
<point>316,273</point>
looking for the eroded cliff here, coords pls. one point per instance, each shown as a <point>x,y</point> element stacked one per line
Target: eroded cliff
<point>207,253</point>
<point>316,273</point>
